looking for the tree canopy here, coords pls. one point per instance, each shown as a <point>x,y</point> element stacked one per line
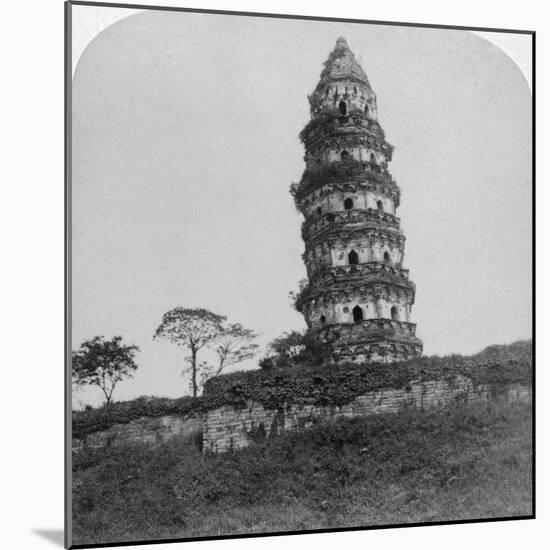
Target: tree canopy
<point>103,363</point>
<point>192,328</point>
<point>294,348</point>
<point>196,329</point>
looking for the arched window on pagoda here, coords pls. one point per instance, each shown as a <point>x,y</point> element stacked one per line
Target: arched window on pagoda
<point>357,314</point>
<point>344,155</point>
<point>380,205</point>
<point>387,259</point>
<point>323,320</point>
<point>319,211</point>
<point>353,258</point>
<point>343,108</point>
<point>394,314</point>
<point>348,204</point>
<point>373,158</point>
<point>367,110</point>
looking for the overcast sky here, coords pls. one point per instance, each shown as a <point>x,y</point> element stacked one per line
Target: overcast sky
<point>185,141</point>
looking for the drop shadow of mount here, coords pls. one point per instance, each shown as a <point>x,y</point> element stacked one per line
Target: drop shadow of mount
<point>53,535</point>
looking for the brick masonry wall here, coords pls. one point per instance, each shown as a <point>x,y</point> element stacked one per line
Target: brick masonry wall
<point>142,430</point>
<point>229,427</point>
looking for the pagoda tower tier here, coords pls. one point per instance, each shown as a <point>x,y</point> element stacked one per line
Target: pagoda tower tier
<point>358,296</point>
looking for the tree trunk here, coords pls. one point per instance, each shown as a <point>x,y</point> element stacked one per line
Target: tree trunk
<point>194,371</point>
<point>107,397</point>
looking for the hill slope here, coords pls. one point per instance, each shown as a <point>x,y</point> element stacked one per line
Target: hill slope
<point>445,464</point>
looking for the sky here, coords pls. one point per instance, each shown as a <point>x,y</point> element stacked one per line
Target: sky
<point>185,142</point>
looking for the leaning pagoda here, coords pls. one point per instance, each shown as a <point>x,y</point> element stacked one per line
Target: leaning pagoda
<point>358,297</point>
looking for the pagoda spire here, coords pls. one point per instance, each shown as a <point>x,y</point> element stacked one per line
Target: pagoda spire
<point>358,298</point>
<point>341,65</point>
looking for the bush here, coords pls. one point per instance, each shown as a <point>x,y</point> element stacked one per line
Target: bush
<point>293,349</point>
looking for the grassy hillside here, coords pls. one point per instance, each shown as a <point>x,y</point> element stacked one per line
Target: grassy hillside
<point>445,464</point>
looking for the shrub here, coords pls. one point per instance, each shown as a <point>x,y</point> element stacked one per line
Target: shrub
<point>293,349</point>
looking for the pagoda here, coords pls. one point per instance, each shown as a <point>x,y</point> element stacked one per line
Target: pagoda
<point>358,296</point>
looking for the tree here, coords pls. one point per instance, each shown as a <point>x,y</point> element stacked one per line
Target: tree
<point>103,363</point>
<point>234,345</point>
<point>288,347</point>
<point>293,349</point>
<point>295,297</point>
<point>192,329</point>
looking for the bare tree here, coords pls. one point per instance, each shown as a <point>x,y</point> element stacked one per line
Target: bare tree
<point>234,345</point>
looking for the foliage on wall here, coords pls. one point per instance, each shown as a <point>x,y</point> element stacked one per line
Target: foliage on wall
<point>336,172</point>
<point>94,420</point>
<point>330,385</point>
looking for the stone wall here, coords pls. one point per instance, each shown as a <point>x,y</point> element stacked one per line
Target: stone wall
<point>229,427</point>
<point>151,430</point>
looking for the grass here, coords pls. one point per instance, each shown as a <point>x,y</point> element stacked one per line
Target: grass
<point>444,464</point>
